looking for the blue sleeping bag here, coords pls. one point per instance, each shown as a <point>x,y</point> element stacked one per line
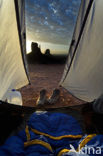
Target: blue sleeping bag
<point>46,134</point>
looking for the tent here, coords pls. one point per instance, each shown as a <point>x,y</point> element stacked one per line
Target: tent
<point>13,68</point>
<point>83,76</point>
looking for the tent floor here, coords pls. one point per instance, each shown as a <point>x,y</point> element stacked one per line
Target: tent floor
<point>13,118</point>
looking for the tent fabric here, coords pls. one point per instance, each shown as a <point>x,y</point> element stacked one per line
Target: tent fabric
<point>80,18</point>
<point>20,14</point>
<point>85,77</point>
<point>12,71</point>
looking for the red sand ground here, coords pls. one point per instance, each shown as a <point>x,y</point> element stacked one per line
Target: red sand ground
<point>46,77</point>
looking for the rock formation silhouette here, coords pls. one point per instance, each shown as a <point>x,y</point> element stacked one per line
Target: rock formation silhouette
<point>35,55</point>
<point>47,52</point>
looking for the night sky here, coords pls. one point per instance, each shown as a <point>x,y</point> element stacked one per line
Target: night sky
<point>51,23</point>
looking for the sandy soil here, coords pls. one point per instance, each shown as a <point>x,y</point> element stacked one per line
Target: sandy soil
<point>46,77</point>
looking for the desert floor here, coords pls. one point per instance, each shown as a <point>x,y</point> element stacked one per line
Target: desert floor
<point>46,76</point>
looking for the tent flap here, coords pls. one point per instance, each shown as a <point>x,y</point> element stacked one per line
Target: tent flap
<point>12,70</point>
<point>85,77</point>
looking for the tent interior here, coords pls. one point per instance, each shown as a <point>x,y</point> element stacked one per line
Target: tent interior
<point>82,75</point>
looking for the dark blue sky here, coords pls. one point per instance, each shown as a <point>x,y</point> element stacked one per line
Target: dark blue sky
<point>51,21</point>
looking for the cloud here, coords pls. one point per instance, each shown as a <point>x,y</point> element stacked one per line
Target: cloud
<point>51,21</point>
